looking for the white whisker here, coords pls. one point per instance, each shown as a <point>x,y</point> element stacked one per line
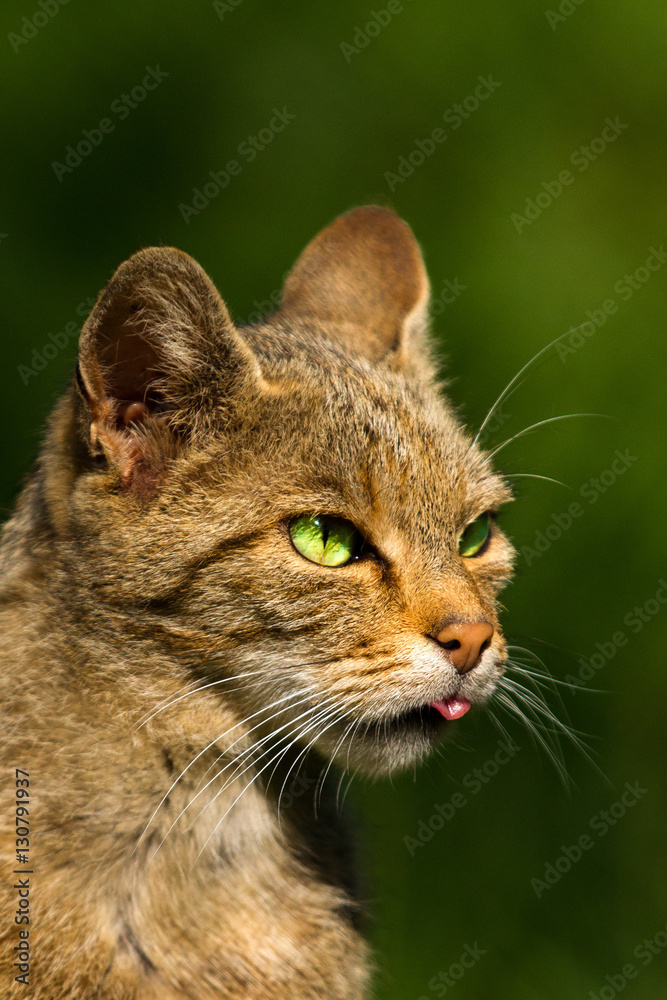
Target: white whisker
<point>543,737</point>
<point>202,687</point>
<point>238,760</point>
<point>320,784</point>
<point>338,718</point>
<point>544,680</point>
<point>248,755</point>
<point>533,475</point>
<point>200,754</point>
<point>250,783</point>
<point>542,423</point>
<point>509,388</point>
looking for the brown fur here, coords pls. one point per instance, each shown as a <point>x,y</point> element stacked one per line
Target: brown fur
<point>148,559</point>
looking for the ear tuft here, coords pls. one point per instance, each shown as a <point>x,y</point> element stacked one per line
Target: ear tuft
<point>363,278</point>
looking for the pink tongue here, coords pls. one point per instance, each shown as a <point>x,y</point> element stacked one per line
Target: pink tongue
<point>453,708</point>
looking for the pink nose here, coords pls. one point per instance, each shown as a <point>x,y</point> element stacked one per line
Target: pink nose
<point>465,642</point>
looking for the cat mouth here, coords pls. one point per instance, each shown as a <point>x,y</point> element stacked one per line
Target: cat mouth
<point>398,740</point>
<point>451,708</point>
<point>434,715</point>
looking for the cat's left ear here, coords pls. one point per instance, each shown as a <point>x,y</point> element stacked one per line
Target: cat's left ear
<point>362,280</point>
<point>157,354</point>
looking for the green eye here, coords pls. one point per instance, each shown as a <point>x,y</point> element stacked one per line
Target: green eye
<point>475,536</point>
<point>328,541</point>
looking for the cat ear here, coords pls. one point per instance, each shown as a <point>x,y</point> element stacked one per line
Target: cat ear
<point>363,280</point>
<point>157,352</point>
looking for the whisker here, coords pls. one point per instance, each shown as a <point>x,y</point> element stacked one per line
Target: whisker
<point>320,784</point>
<point>529,652</point>
<point>534,475</point>
<point>545,680</point>
<point>239,760</point>
<point>540,711</point>
<point>350,703</point>
<point>356,730</point>
<point>251,673</point>
<point>340,784</point>
<point>247,755</point>
<point>542,423</point>
<point>304,691</point>
<point>499,726</point>
<point>509,388</point>
<point>534,701</point>
<point>349,785</point>
<point>346,770</point>
<point>550,747</point>
<point>214,741</point>
<point>335,718</point>
<point>224,816</point>
<point>202,687</point>
<point>200,754</point>
<point>538,675</point>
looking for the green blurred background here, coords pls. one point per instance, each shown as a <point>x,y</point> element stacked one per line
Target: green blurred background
<point>358,108</point>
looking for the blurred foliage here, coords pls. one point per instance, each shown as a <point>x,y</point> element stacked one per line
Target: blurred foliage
<point>562,72</point>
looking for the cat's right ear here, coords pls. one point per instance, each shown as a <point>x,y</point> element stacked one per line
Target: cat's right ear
<point>362,280</point>
<point>157,354</point>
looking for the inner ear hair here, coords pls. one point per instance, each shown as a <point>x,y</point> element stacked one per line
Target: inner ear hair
<point>158,350</point>
<point>119,360</point>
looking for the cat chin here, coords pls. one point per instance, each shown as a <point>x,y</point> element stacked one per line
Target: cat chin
<point>391,745</point>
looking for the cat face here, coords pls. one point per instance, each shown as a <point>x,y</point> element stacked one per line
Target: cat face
<point>294,503</point>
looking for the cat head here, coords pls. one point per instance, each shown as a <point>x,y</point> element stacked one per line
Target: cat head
<point>293,503</point>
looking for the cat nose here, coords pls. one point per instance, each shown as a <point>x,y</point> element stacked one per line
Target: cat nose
<point>465,642</point>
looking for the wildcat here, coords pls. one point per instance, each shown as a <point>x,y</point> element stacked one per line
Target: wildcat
<point>243,554</point>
